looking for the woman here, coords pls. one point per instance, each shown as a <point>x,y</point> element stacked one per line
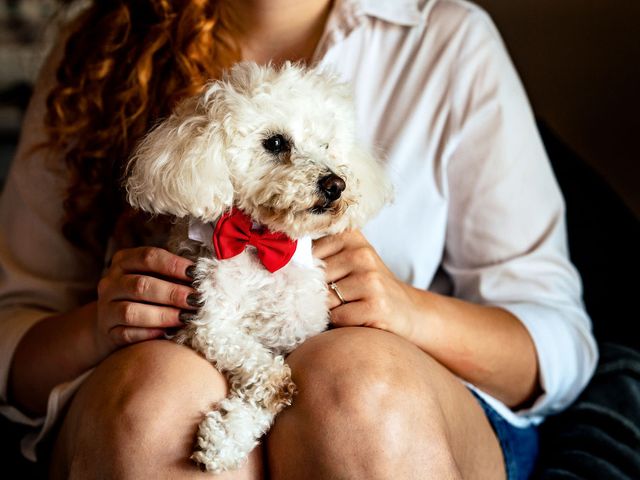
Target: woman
<point>476,327</point>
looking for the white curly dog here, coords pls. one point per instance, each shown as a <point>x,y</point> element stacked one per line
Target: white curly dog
<point>253,169</point>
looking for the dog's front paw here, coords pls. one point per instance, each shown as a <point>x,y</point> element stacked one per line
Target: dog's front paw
<point>218,449</point>
<point>226,436</point>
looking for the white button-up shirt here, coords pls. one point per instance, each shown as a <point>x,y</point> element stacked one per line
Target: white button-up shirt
<point>478,213</point>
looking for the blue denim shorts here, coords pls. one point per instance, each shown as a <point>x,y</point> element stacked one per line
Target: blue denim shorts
<point>519,445</point>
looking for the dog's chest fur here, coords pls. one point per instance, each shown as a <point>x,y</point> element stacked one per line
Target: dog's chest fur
<point>279,309</point>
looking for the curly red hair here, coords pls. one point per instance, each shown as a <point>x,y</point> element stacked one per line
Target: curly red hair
<point>126,64</point>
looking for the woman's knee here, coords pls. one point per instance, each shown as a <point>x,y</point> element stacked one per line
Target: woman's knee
<point>365,396</point>
<point>141,404</point>
<point>358,372</point>
<point>160,388</point>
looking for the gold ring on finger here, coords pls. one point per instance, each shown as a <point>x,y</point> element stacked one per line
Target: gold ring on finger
<point>334,287</point>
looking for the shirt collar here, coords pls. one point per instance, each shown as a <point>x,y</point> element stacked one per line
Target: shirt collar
<point>401,12</point>
<point>349,14</point>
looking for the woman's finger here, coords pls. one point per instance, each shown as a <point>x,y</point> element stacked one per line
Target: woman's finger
<point>332,244</point>
<point>337,266</point>
<point>141,315</point>
<point>358,286</point>
<point>153,260</point>
<point>351,314</point>
<point>122,335</point>
<point>143,288</point>
<point>327,246</point>
<point>351,260</point>
<point>336,298</point>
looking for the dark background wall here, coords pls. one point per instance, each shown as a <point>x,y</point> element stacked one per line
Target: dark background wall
<point>579,61</point>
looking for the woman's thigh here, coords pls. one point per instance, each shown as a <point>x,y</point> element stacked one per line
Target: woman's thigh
<point>371,404</point>
<point>136,416</point>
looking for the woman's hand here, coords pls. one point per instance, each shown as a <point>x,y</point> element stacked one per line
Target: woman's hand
<point>145,291</point>
<point>373,296</point>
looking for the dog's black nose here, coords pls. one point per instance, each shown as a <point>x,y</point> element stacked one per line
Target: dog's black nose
<point>331,186</point>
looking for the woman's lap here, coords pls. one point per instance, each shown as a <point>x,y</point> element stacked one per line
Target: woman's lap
<point>340,356</point>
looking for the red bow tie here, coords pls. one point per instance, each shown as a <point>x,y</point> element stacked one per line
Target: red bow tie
<point>233,233</point>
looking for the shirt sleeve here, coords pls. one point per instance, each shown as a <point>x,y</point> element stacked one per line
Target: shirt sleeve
<point>40,272</point>
<point>506,239</point>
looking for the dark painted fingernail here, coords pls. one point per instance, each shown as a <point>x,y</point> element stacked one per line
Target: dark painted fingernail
<point>194,300</point>
<point>186,317</point>
<point>190,272</point>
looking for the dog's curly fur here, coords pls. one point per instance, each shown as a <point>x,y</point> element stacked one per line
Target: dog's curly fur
<point>210,156</point>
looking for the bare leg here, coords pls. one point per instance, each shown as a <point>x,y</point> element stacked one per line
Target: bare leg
<point>371,405</point>
<point>136,417</point>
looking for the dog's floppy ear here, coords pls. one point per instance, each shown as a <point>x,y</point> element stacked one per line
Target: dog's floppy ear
<point>179,168</point>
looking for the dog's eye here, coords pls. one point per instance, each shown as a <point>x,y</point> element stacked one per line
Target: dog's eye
<point>276,144</point>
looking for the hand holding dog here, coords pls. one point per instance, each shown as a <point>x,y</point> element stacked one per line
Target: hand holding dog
<point>142,294</point>
<point>374,296</point>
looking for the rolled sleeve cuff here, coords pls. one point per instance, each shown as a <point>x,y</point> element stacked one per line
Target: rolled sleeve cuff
<point>566,351</point>
<point>59,397</point>
<point>558,342</point>
<point>13,326</point>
